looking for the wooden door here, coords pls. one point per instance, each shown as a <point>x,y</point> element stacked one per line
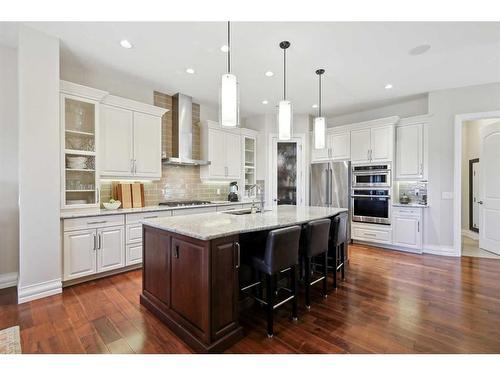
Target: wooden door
<point>116,143</point>
<point>110,248</point>
<point>382,144</point>
<point>360,146</point>
<point>489,187</point>
<point>409,152</point>
<point>189,280</point>
<point>147,145</point>
<point>79,253</point>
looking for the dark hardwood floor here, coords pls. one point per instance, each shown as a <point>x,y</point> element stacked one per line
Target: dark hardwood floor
<point>391,302</point>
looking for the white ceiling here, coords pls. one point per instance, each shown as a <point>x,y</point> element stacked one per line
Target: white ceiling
<point>359,58</point>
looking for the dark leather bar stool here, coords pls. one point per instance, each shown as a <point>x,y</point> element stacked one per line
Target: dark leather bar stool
<point>337,250</point>
<point>315,238</point>
<point>281,254</point>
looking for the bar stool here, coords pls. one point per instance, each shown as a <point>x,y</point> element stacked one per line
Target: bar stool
<point>281,254</point>
<point>315,238</point>
<point>337,249</point>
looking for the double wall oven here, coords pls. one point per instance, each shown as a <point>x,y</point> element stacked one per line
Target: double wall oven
<point>371,193</point>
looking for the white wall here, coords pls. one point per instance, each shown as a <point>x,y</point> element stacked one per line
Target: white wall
<point>405,108</point>
<point>9,213</point>
<point>121,84</point>
<point>39,171</point>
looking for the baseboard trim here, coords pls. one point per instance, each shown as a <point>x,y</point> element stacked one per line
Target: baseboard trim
<point>440,250</point>
<point>8,280</point>
<point>40,290</point>
<point>470,234</point>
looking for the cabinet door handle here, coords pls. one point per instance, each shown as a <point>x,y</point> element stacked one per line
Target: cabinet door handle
<point>150,217</point>
<point>421,169</point>
<point>131,165</point>
<point>238,254</point>
<point>176,252</point>
<point>418,226</point>
<point>96,222</point>
<point>99,242</point>
<point>98,195</point>
<point>135,166</point>
<point>95,243</point>
<point>368,154</point>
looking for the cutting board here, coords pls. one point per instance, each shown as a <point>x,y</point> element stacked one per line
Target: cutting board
<point>137,195</point>
<point>124,194</point>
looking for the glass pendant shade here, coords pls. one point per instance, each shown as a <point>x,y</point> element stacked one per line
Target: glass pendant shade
<point>229,101</point>
<point>319,132</point>
<point>285,120</point>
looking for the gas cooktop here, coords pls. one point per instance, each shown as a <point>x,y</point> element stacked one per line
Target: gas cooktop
<point>183,203</point>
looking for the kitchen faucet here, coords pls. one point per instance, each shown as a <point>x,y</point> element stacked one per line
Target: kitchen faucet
<point>258,191</point>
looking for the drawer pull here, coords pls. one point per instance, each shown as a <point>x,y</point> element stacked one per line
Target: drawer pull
<point>96,222</point>
<point>176,253</point>
<point>151,217</point>
<point>370,234</point>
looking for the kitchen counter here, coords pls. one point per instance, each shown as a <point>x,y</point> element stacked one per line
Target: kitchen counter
<point>87,212</point>
<point>418,205</point>
<point>191,269</point>
<point>208,226</point>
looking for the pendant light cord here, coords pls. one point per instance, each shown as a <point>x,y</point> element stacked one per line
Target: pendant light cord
<point>229,47</point>
<point>284,74</point>
<point>320,95</point>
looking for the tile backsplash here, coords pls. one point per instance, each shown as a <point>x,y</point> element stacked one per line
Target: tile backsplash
<point>409,188</point>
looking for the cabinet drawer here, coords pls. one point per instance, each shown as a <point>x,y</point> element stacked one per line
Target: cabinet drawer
<point>192,211</point>
<point>412,211</point>
<point>93,222</point>
<point>133,254</point>
<point>228,207</point>
<point>139,217</point>
<point>134,233</point>
<point>369,234</point>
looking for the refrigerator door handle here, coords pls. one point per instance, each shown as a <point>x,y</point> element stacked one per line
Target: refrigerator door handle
<point>330,193</point>
<point>327,195</point>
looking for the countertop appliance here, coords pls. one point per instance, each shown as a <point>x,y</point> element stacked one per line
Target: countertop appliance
<point>183,203</point>
<point>330,185</point>
<point>233,192</point>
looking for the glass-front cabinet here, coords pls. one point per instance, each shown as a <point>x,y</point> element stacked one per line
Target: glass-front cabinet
<point>249,165</point>
<point>79,138</point>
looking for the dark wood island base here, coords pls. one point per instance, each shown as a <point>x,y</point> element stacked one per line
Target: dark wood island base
<point>192,286</point>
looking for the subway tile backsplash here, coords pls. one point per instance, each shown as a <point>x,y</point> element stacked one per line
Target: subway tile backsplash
<point>409,188</point>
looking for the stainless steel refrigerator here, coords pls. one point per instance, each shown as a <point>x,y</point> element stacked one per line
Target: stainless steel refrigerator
<point>330,185</point>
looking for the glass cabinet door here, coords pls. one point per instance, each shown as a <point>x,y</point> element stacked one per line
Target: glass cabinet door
<point>80,187</point>
<point>287,173</point>
<point>249,165</point>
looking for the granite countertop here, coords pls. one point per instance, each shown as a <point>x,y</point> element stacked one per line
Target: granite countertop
<point>410,205</point>
<point>86,212</point>
<point>208,226</point>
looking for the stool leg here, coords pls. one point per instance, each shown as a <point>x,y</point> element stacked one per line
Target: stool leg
<point>258,277</point>
<point>325,274</point>
<point>342,254</point>
<point>270,304</point>
<point>307,281</point>
<point>293,277</point>
<point>335,263</point>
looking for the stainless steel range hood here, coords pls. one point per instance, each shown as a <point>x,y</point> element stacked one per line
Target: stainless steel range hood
<point>182,132</point>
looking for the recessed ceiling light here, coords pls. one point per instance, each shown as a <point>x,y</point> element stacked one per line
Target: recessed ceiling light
<point>269,73</point>
<point>125,43</point>
<point>190,70</point>
<point>224,48</point>
<point>265,102</point>
<point>388,86</point>
<point>419,50</point>
<point>315,106</point>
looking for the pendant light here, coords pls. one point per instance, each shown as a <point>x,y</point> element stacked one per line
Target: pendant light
<point>229,112</point>
<point>284,106</point>
<point>319,122</point>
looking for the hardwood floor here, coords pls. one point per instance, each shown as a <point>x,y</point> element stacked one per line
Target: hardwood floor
<point>391,302</point>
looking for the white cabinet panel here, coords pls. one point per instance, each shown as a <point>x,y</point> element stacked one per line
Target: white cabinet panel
<point>409,152</point>
<point>407,231</point>
<point>382,144</point>
<point>147,145</point>
<point>320,154</point>
<point>340,146</point>
<point>217,153</point>
<point>233,155</point>
<point>111,248</point>
<point>116,143</point>
<point>79,254</point>
<point>134,233</point>
<point>360,146</point>
<point>192,211</point>
<point>133,254</point>
<point>371,233</point>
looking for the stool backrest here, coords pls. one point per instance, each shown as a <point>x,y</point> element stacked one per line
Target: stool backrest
<point>317,235</point>
<point>339,228</point>
<point>282,248</point>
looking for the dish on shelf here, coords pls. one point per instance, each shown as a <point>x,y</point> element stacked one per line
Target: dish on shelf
<point>76,162</point>
<point>112,206</point>
<point>76,201</point>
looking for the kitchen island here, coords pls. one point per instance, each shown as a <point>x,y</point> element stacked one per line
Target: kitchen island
<point>191,269</point>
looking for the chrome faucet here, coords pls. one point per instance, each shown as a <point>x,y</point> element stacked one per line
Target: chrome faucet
<point>258,191</point>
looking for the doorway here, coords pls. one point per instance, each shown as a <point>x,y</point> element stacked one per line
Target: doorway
<point>287,171</point>
<point>477,185</point>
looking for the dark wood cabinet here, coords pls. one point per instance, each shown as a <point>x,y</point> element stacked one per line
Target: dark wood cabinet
<point>192,286</point>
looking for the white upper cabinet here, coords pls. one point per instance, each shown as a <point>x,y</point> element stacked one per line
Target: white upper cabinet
<point>382,144</point>
<point>320,154</point>
<point>337,147</point>
<point>147,145</point>
<point>223,148</point>
<point>131,139</point>
<point>116,145</point>
<point>360,146</point>
<point>410,152</point>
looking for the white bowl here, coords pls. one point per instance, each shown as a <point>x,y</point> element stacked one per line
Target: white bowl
<point>112,206</point>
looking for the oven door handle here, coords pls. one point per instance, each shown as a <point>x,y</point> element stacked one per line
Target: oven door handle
<point>371,196</point>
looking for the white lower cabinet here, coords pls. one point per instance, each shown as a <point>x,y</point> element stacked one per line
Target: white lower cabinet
<point>407,224</point>
<point>79,253</point>
<point>110,245</point>
<point>372,233</point>
<point>133,254</point>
